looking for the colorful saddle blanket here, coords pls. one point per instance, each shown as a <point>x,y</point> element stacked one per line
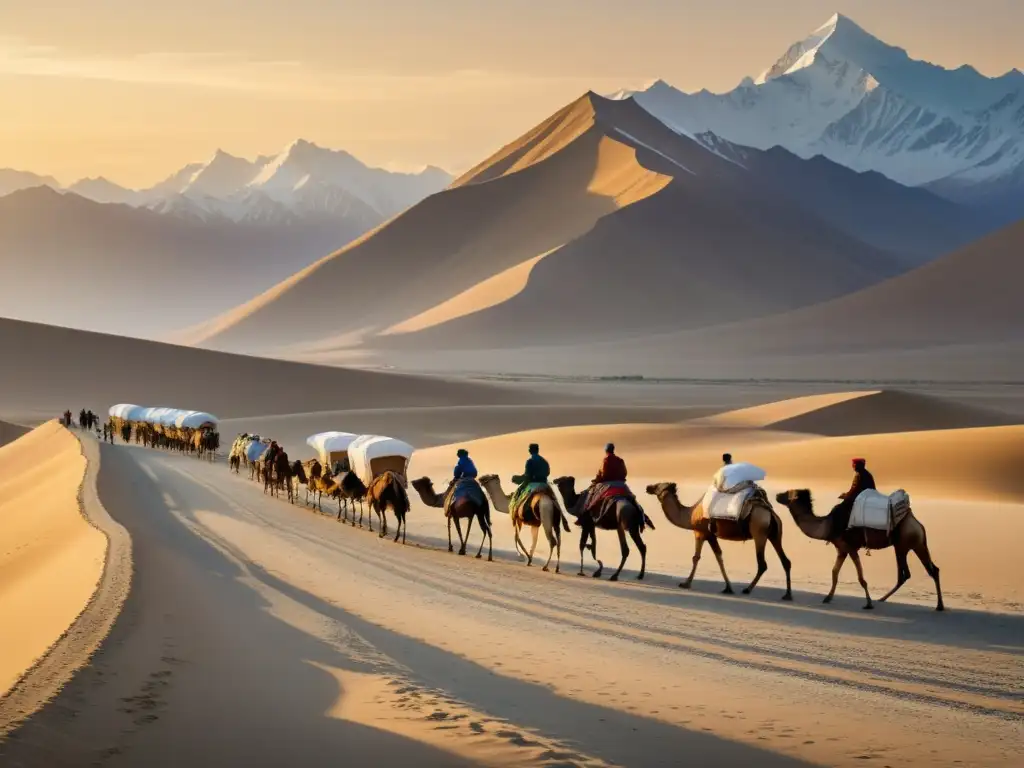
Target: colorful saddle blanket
<point>466,487</point>
<point>523,493</point>
<point>601,497</point>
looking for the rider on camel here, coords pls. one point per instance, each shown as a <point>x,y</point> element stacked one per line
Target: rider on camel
<point>862,481</point>
<point>537,471</point>
<point>464,467</point>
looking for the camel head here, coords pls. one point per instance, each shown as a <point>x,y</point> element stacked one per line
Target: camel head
<point>662,490</point>
<point>425,488</point>
<point>566,486</point>
<point>788,498</point>
<point>490,480</point>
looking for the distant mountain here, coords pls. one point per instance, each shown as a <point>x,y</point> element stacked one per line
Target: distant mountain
<point>103,190</point>
<point>599,223</point>
<point>847,95</point>
<point>71,261</point>
<point>12,181</point>
<point>302,182</point>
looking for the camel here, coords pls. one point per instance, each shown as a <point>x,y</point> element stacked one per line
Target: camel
<point>386,490</point>
<point>624,517</point>
<point>465,508</point>
<point>908,535</point>
<point>762,525</point>
<point>540,509</point>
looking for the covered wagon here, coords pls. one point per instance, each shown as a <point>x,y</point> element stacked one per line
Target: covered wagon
<point>372,455</point>
<point>332,448</point>
<point>195,420</point>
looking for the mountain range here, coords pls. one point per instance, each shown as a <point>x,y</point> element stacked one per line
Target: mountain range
<point>652,232</point>
<point>844,94</point>
<point>600,206</point>
<point>302,181</point>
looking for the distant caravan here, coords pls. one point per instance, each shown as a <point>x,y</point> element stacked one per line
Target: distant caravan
<point>193,432</point>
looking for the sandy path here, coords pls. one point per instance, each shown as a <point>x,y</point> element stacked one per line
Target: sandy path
<point>253,627</point>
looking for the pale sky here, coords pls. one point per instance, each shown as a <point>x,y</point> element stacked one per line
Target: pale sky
<point>133,90</point>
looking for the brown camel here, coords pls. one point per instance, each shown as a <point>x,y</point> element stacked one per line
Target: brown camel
<point>386,490</point>
<point>908,535</point>
<point>762,525</point>
<point>623,517</point>
<point>464,507</point>
<point>540,509</point>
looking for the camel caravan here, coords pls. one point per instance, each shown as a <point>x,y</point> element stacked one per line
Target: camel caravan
<point>369,473</point>
<point>173,429</point>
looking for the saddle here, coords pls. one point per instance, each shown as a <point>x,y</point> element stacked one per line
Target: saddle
<point>461,488</point>
<point>522,495</point>
<point>600,499</point>
<point>735,505</point>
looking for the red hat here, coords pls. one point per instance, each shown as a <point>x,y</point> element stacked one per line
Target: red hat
<point>858,461</point>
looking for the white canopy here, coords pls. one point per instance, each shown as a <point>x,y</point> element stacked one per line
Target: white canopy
<point>194,419</point>
<point>121,410</point>
<point>326,443</point>
<point>168,417</point>
<point>366,448</point>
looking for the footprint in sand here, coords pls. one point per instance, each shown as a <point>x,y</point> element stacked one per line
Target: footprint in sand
<point>517,738</point>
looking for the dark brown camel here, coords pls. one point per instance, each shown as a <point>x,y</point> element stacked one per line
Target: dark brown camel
<point>624,516</point>
<point>386,490</point>
<point>464,507</point>
<point>908,535</point>
<point>762,525</point>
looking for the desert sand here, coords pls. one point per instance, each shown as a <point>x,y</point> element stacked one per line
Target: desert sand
<point>253,625</point>
<point>51,557</point>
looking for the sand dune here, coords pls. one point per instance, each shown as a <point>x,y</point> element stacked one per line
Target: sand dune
<point>48,369</point>
<point>973,463</point>
<point>51,558</point>
<point>922,325</point>
<point>448,243</point>
<point>598,183</point>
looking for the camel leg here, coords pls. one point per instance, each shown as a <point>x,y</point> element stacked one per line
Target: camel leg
<point>450,547</point>
<point>458,530</point>
<point>486,529</point>
<point>625,554</point>
<point>840,559</point>
<point>593,552</point>
<point>717,549</point>
<point>777,545</point>
<point>520,547</point>
<point>860,577</point>
<point>534,532</point>
<point>584,538</point>
<point>921,550</point>
<point>762,564</point>
<point>549,534</point>
<point>634,533</point>
<point>902,574</point>
<point>698,546</point>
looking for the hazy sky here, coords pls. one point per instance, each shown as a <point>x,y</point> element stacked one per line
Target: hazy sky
<point>133,90</point>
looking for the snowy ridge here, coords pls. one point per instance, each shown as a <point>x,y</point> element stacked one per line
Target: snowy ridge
<point>300,182</point>
<point>842,93</point>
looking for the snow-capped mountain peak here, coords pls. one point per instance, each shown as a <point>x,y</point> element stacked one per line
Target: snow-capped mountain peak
<point>843,93</point>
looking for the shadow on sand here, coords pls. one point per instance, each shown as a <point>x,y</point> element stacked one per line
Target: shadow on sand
<point>199,669</point>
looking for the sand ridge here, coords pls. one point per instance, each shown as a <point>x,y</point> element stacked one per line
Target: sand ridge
<point>51,558</point>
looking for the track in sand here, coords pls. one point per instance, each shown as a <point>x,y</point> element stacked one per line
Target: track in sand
<point>258,633</point>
